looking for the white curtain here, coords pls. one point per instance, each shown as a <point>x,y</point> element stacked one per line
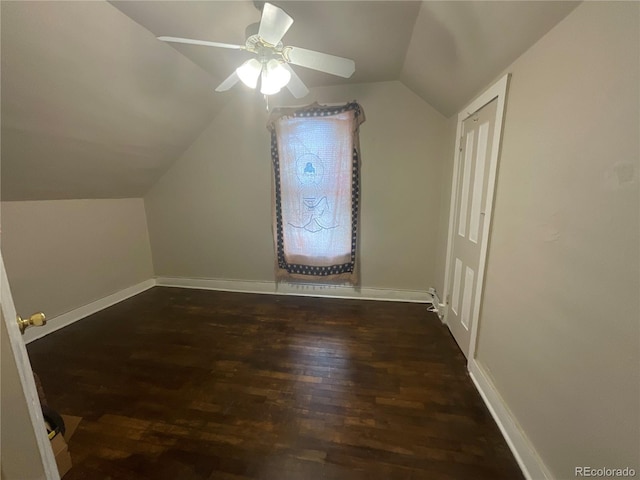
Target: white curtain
<point>316,192</point>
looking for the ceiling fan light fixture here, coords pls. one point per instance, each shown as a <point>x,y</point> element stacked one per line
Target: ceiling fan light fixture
<point>249,72</point>
<point>274,77</point>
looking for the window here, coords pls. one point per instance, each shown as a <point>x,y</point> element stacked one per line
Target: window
<point>316,169</point>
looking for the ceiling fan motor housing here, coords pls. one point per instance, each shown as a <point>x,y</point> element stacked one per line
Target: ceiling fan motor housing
<point>264,50</point>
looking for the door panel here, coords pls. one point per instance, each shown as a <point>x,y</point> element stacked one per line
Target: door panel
<point>466,178</point>
<point>479,184</point>
<point>469,285</point>
<point>25,448</point>
<point>469,217</point>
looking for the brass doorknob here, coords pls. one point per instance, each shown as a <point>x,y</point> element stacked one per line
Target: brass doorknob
<point>35,320</point>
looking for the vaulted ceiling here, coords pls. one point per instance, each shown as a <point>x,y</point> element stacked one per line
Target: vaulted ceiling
<point>94,106</point>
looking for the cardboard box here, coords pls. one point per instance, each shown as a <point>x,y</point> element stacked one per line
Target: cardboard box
<point>61,452</point>
<point>60,447</point>
<point>70,424</point>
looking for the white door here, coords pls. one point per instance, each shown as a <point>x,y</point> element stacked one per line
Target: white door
<point>472,196</point>
<point>26,450</point>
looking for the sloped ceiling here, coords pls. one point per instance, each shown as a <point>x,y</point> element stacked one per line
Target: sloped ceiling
<point>457,48</point>
<point>94,106</point>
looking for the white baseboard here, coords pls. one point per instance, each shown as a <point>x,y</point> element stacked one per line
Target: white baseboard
<point>531,464</point>
<point>61,321</point>
<point>308,290</point>
<point>244,286</point>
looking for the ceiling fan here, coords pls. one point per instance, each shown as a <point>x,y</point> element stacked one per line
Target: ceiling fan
<point>271,63</point>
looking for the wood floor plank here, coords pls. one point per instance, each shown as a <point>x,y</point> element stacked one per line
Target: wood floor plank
<point>200,385</point>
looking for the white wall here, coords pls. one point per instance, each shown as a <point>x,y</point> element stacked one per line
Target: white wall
<point>446,177</point>
<point>64,254</point>
<point>559,332</point>
<point>210,215</point>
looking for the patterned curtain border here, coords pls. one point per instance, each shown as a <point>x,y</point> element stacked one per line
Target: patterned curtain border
<point>338,273</point>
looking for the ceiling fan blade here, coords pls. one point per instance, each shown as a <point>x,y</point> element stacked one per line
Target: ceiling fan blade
<point>295,85</point>
<point>273,24</point>
<point>342,67</point>
<point>201,42</point>
<point>230,81</point>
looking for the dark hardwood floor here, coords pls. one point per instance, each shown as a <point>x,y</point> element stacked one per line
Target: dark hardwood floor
<point>182,384</point>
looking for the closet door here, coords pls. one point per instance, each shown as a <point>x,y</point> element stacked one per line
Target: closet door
<point>479,129</point>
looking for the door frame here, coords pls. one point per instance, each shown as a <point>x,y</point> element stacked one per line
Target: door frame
<point>44,453</point>
<point>497,91</point>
